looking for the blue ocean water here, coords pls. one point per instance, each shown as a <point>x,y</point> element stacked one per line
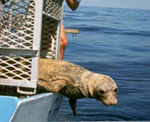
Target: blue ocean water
<point>115,42</point>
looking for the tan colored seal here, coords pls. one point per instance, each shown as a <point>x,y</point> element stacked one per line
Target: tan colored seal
<point>76,82</point>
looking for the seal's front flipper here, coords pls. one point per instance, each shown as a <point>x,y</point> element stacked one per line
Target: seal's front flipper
<point>52,86</point>
<point>72,103</point>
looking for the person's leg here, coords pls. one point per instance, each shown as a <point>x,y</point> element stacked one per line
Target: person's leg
<point>63,42</point>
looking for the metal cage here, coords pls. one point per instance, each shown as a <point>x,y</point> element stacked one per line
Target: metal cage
<point>29,29</point>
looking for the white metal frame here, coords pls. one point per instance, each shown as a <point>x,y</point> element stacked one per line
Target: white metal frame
<point>37,39</point>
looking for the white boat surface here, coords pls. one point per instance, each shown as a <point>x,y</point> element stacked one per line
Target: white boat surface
<point>38,108</point>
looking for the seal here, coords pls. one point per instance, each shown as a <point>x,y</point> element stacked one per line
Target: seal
<point>76,82</point>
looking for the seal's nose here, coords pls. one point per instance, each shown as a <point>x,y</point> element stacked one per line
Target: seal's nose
<point>114,101</point>
<point>109,101</point>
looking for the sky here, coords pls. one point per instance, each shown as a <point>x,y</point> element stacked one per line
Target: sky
<point>136,4</point>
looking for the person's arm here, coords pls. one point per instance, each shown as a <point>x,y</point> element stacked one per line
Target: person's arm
<point>73,4</point>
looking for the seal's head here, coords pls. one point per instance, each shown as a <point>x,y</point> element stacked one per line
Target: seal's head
<point>105,89</point>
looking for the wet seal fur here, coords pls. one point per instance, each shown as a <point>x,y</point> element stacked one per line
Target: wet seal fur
<point>76,82</point>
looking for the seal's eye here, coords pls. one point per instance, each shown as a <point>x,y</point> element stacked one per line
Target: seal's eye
<point>115,90</point>
<point>102,91</point>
